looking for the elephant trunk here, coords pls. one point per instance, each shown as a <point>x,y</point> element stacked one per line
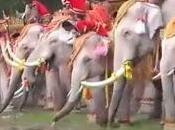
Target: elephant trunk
<point>25,96</point>
<point>74,94</point>
<point>71,103</point>
<point>65,110</point>
<point>110,80</point>
<point>12,88</point>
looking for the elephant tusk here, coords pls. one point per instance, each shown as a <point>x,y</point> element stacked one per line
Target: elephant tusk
<point>19,90</point>
<point>8,60</point>
<point>22,62</point>
<point>19,95</point>
<point>79,91</point>
<point>171,72</point>
<point>157,77</point>
<point>110,80</point>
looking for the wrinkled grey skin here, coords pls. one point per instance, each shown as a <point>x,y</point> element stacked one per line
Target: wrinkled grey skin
<point>23,49</point>
<point>87,66</point>
<point>4,81</point>
<point>167,64</point>
<point>55,47</point>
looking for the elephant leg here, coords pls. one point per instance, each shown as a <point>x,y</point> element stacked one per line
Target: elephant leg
<point>168,98</point>
<point>124,108</point>
<point>158,100</point>
<point>57,96</point>
<point>116,98</point>
<point>24,99</point>
<point>163,114</point>
<point>4,82</point>
<point>99,104</point>
<point>68,107</point>
<point>79,73</point>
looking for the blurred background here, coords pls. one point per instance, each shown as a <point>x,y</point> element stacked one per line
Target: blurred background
<point>9,6</point>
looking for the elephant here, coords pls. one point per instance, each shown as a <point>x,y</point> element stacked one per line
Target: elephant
<point>166,67</point>
<point>55,48</point>
<point>24,46</point>
<point>132,44</point>
<point>83,69</point>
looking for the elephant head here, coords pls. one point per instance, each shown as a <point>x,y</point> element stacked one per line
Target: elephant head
<point>25,44</point>
<point>167,13</point>
<point>54,48</point>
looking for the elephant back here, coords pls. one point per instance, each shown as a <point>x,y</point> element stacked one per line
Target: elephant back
<point>78,45</point>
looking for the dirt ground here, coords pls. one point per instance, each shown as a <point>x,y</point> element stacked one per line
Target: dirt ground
<point>36,119</point>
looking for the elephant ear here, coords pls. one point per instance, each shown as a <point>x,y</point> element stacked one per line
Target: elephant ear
<point>129,35</point>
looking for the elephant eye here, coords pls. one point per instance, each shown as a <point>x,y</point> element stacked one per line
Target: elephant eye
<point>86,59</point>
<point>67,26</point>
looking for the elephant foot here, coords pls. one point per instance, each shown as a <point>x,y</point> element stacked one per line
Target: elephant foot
<point>162,122</point>
<point>113,125</point>
<point>169,126</point>
<point>64,111</point>
<point>9,108</point>
<point>91,118</point>
<point>49,106</point>
<point>126,122</point>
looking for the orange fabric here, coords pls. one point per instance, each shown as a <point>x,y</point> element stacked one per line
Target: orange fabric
<point>97,20</point>
<point>56,21</point>
<point>99,14</point>
<point>170,29</point>
<point>87,95</point>
<point>77,6</point>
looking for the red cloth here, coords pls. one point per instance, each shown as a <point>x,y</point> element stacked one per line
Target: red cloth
<point>77,6</point>
<point>97,20</point>
<point>41,8</point>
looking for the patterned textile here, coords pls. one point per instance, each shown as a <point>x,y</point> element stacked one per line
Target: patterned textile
<point>78,45</point>
<point>97,20</point>
<point>170,29</point>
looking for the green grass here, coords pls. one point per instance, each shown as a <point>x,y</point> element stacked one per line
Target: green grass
<point>40,120</point>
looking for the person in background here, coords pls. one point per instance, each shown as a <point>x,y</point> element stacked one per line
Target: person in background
<point>35,11</point>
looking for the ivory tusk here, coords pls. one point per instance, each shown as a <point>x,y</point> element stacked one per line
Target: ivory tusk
<point>19,95</point>
<point>171,72</point>
<point>19,90</point>
<point>157,77</point>
<point>113,78</point>
<point>8,60</point>
<point>38,62</point>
